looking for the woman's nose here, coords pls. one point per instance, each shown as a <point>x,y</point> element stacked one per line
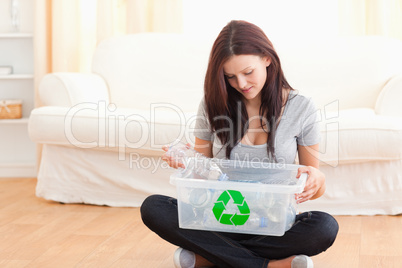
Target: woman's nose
<point>242,82</point>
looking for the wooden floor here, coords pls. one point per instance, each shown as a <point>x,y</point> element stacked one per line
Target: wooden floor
<point>39,233</point>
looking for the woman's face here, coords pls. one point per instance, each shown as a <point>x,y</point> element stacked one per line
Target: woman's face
<point>247,74</point>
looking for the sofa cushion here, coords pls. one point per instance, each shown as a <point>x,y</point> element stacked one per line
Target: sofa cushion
<point>148,68</point>
<point>122,129</point>
<point>360,135</point>
<point>350,70</point>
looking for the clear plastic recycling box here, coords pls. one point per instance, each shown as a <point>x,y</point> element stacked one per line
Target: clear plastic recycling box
<point>258,198</point>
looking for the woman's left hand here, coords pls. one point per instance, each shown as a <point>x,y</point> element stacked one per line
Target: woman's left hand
<point>315,184</point>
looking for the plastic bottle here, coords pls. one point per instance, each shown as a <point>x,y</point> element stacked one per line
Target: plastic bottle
<point>209,220</point>
<point>256,221</point>
<point>195,163</point>
<point>290,217</point>
<point>199,197</point>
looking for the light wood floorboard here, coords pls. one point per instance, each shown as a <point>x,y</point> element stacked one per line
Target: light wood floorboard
<point>39,233</point>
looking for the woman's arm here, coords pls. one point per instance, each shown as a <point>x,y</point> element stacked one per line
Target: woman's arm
<point>204,147</point>
<point>315,184</point>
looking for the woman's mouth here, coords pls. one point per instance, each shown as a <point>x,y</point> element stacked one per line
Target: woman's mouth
<point>246,90</point>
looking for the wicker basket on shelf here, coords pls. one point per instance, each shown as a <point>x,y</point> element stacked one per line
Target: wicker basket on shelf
<point>10,109</point>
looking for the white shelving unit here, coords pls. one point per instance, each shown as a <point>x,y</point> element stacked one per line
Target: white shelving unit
<point>17,151</point>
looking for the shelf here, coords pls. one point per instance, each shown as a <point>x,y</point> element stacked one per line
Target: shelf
<point>16,76</point>
<point>16,35</point>
<point>23,120</point>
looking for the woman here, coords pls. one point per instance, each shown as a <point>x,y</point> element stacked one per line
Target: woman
<point>250,112</point>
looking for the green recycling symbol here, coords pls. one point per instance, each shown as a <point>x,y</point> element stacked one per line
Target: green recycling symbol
<point>231,219</point>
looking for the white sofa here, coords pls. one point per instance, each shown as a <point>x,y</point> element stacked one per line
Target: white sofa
<point>102,131</point>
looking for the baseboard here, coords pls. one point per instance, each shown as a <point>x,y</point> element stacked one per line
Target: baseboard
<point>18,170</point>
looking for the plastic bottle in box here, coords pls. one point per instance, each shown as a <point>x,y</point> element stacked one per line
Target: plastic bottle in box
<point>256,221</point>
<point>210,220</point>
<point>199,197</point>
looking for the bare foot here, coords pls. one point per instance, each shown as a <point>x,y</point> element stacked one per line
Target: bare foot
<point>202,262</point>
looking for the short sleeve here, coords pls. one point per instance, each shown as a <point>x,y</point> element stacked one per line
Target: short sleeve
<point>310,128</point>
<point>202,128</point>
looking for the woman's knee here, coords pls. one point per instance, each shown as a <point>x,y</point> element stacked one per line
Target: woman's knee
<point>328,228</point>
<point>155,209</point>
<point>322,230</point>
<point>148,209</point>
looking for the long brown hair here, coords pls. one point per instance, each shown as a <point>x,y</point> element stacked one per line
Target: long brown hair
<point>225,108</point>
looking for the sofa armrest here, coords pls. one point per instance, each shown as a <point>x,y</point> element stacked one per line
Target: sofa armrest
<point>69,89</point>
<point>390,98</point>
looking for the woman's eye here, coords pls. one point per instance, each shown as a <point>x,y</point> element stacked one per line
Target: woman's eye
<point>250,72</point>
<point>229,77</point>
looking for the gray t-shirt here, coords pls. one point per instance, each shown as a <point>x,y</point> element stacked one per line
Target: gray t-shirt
<point>298,126</point>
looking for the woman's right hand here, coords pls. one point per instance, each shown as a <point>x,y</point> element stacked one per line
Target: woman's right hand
<point>170,160</point>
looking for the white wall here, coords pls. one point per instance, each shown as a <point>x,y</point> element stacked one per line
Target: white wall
<point>280,19</point>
